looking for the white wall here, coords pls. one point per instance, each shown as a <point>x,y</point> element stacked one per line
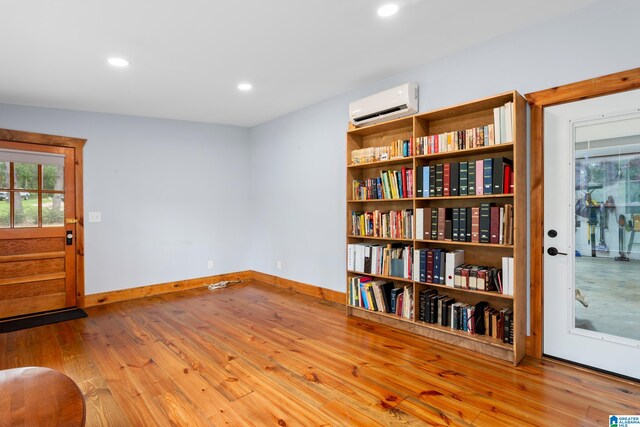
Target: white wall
<point>298,161</point>
<point>172,194</point>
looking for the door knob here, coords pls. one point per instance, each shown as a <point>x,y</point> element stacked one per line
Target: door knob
<point>552,233</point>
<point>553,252</point>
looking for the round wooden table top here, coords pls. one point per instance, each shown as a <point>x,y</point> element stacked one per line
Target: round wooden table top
<point>34,396</point>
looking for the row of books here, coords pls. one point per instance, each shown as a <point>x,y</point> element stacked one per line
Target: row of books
<point>398,148</point>
<point>457,140</point>
<point>391,225</point>
<point>485,223</point>
<point>498,132</point>
<point>478,319</point>
<point>441,267</point>
<point>394,260</point>
<point>391,184</point>
<point>472,178</point>
<point>381,296</point>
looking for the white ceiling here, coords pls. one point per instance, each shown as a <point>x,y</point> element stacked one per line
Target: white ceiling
<point>187,56</point>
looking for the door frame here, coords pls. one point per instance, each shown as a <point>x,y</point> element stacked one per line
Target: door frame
<point>77,145</point>
<point>591,88</point>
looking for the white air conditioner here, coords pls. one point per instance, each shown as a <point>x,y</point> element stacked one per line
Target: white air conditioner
<point>389,104</point>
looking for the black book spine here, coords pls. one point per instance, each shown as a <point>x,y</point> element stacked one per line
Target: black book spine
<point>464,179</point>
<point>468,230</point>
<point>454,188</point>
<point>456,224</point>
<point>432,181</point>
<point>439,179</point>
<point>419,181</point>
<point>462,226</point>
<point>434,224</point>
<point>471,178</point>
<point>485,222</point>
<point>498,175</point>
<point>487,166</point>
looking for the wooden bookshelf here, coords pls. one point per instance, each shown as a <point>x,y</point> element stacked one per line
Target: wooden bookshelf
<point>475,114</point>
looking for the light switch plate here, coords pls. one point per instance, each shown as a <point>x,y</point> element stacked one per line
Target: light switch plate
<point>95,217</point>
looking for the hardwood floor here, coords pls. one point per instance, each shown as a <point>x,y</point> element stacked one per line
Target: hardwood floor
<point>254,354</point>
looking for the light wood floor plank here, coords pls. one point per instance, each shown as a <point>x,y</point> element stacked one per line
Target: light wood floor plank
<point>253,354</point>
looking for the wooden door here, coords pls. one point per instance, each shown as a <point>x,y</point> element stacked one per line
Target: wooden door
<point>38,227</point>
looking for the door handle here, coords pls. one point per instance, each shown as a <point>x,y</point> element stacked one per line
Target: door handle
<point>553,252</point>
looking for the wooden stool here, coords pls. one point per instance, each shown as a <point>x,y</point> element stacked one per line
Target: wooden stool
<point>36,396</point>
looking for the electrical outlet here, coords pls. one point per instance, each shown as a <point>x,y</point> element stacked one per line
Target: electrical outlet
<point>210,264</point>
<point>279,265</point>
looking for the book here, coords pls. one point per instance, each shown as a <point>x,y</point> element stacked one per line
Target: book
<point>429,272</point>
<point>441,223</point>
<point>479,177</point>
<point>471,178</point>
<point>439,180</point>
<point>426,225</point>
<point>420,223</point>
<point>446,186</point>
<point>453,259</point>
<point>454,179</point>
<point>494,225</point>
<point>456,223</point>
<point>464,178</point>
<point>475,225</point>
<point>426,177</point>
<point>487,179</point>
<point>432,181</point>
<point>419,181</point>
<point>434,224</point>
<point>506,185</point>
<point>462,224</point>
<point>437,266</point>
<point>394,297</point>
<point>468,222</point>
<point>498,173</point>
<point>485,223</point>
<point>508,122</point>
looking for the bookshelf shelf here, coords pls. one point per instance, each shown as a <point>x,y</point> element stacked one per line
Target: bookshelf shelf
<point>456,243</point>
<point>386,239</point>
<point>482,196</point>
<point>467,152</point>
<point>380,276</point>
<point>407,200</point>
<point>488,294</point>
<point>382,163</point>
<point>481,125</point>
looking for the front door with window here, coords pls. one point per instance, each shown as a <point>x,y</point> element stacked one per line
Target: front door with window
<point>37,228</point>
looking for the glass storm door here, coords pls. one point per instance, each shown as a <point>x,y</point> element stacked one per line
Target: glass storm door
<point>592,215</point>
<point>37,229</point>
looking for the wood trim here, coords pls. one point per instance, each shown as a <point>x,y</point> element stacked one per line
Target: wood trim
<point>41,138</point>
<point>29,257</point>
<point>605,85</point>
<point>303,288</point>
<point>158,289</point>
<point>29,279</point>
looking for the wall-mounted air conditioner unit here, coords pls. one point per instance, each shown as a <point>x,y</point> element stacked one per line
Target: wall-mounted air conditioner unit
<point>389,104</point>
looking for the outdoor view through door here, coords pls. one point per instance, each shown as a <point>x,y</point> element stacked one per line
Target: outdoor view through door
<point>37,229</point>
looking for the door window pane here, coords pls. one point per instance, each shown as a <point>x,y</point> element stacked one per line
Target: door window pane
<point>25,209</point>
<point>607,218</point>
<point>53,177</point>
<point>26,176</point>
<point>4,175</point>
<point>52,209</point>
<point>4,209</point>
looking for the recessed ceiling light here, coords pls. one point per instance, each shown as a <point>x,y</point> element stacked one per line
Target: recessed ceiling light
<point>244,86</point>
<point>387,10</point>
<point>118,62</point>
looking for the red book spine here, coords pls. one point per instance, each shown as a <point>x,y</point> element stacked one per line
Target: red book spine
<point>494,231</point>
<point>446,183</point>
<point>506,187</point>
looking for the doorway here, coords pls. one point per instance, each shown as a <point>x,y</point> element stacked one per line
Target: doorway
<point>565,242</point>
<point>591,259</point>
<point>41,235</point>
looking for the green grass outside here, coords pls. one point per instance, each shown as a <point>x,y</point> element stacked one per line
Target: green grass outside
<point>30,209</point>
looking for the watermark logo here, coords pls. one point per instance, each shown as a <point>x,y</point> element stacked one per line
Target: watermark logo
<point>624,420</point>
